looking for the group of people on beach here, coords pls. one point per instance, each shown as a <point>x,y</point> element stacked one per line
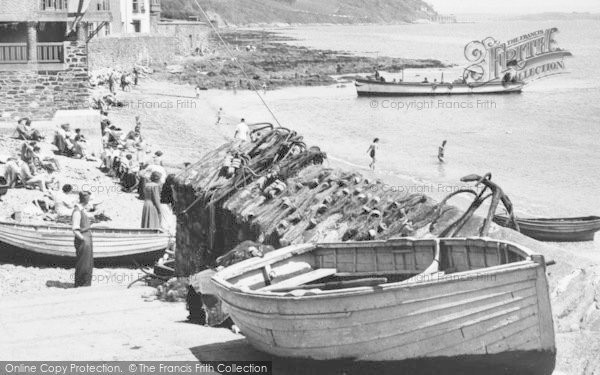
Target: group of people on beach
<point>128,158</point>
<point>113,79</point>
<point>35,165</point>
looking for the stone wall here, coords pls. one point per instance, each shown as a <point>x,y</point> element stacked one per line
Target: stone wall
<point>167,40</point>
<point>126,50</point>
<point>191,36</point>
<point>38,90</point>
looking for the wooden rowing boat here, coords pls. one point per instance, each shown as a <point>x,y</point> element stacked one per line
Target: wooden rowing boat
<point>57,240</point>
<point>443,298</point>
<point>366,87</point>
<point>557,230</point>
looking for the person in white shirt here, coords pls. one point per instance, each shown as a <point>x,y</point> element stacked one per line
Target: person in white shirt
<point>242,131</point>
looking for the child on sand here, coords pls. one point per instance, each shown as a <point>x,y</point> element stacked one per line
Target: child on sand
<point>372,152</point>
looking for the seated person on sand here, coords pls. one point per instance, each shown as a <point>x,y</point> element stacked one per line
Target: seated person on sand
<point>135,135</point>
<point>28,154</point>
<point>62,203</point>
<point>44,161</point>
<point>425,80</point>
<point>129,179</point>
<point>18,171</point>
<point>114,136</point>
<point>26,132</point>
<point>62,141</point>
<point>157,158</point>
<point>79,144</point>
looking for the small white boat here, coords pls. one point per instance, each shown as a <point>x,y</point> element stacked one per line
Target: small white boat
<point>395,300</point>
<point>366,87</point>
<point>57,240</point>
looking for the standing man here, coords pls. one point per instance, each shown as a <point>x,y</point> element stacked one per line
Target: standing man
<point>242,131</point>
<point>84,249</point>
<point>136,75</point>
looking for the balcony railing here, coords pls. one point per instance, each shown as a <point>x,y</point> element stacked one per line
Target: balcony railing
<point>50,52</point>
<point>13,53</point>
<point>54,5</point>
<point>63,5</point>
<point>17,53</point>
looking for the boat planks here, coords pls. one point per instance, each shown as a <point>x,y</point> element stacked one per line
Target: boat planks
<point>482,297</point>
<point>55,240</point>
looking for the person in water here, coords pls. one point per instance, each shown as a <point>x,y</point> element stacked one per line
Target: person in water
<point>441,151</point>
<point>84,249</point>
<point>372,151</point>
<point>425,80</point>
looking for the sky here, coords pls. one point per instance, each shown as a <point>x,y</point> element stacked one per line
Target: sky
<point>514,6</point>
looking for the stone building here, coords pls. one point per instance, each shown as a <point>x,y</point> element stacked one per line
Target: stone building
<point>43,55</point>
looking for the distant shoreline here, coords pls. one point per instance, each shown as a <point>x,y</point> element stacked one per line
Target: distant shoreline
<point>269,62</point>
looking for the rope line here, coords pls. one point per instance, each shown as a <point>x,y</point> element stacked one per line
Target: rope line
<point>237,62</point>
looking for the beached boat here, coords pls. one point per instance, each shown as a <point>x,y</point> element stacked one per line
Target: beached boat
<point>559,230</point>
<point>394,300</point>
<point>366,87</point>
<point>57,240</point>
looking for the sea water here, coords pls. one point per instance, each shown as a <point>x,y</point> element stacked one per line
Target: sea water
<point>542,146</point>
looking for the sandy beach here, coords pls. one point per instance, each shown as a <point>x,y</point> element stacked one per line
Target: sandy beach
<point>184,128</point>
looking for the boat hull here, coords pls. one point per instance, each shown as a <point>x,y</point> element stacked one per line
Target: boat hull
<point>57,241</point>
<point>556,230</point>
<point>500,309</point>
<point>374,88</point>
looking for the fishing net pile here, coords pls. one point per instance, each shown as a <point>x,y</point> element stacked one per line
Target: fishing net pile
<point>276,191</point>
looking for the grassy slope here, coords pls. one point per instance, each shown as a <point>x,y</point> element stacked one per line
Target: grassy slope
<point>241,12</point>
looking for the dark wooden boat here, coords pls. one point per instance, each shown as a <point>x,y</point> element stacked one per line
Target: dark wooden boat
<point>556,230</point>
<point>57,240</point>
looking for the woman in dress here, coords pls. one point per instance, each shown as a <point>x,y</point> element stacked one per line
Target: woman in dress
<point>152,208</point>
<point>83,242</point>
<point>372,152</point>
<point>168,220</point>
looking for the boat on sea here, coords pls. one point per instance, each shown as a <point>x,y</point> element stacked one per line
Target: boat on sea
<point>396,300</point>
<point>368,87</point>
<point>109,243</point>
<point>572,229</point>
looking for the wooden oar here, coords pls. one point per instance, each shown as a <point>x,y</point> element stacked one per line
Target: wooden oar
<point>336,284</point>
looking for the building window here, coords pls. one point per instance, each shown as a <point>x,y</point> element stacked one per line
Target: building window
<point>137,26</point>
<point>138,6</point>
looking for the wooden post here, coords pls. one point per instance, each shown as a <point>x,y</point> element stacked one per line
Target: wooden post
<point>32,42</point>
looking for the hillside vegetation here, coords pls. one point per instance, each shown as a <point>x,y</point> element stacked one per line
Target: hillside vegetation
<point>244,12</point>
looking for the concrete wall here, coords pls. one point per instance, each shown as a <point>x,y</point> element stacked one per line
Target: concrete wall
<point>38,91</point>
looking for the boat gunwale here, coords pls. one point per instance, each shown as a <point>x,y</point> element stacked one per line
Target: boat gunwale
<point>288,252</point>
<point>507,85</point>
<point>49,227</point>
